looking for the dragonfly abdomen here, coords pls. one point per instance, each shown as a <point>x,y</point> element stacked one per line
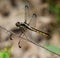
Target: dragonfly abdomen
<point>40,32</point>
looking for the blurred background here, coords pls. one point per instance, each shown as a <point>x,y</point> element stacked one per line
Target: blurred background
<point>47,20</point>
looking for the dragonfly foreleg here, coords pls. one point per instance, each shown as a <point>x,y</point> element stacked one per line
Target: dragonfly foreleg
<point>11,37</point>
<point>19,44</point>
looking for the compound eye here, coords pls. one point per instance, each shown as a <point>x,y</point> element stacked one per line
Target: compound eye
<point>18,24</point>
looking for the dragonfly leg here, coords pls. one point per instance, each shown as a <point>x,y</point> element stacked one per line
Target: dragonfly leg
<point>11,37</point>
<point>19,44</point>
<point>20,40</point>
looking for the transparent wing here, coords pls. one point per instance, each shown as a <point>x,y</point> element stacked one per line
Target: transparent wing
<point>4,38</point>
<point>33,20</point>
<point>4,34</point>
<point>36,37</point>
<point>30,19</point>
<point>48,47</point>
<point>27,15</point>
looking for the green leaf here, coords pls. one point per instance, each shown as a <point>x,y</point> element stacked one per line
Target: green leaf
<point>53,48</point>
<point>4,54</point>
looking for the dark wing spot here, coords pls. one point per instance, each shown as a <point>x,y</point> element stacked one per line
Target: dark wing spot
<point>16,30</point>
<point>43,1</point>
<point>13,3</point>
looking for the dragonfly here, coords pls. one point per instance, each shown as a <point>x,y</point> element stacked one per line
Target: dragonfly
<point>26,26</point>
<point>23,26</point>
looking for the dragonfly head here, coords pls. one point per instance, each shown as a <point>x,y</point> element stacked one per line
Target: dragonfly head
<point>18,24</point>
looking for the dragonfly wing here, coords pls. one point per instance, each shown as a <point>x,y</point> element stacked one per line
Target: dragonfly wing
<point>33,20</point>
<point>51,48</point>
<point>4,34</point>
<point>4,38</point>
<point>30,19</point>
<point>27,14</point>
<point>31,35</point>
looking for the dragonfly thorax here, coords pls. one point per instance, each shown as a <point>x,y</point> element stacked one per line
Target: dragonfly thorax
<point>24,25</point>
